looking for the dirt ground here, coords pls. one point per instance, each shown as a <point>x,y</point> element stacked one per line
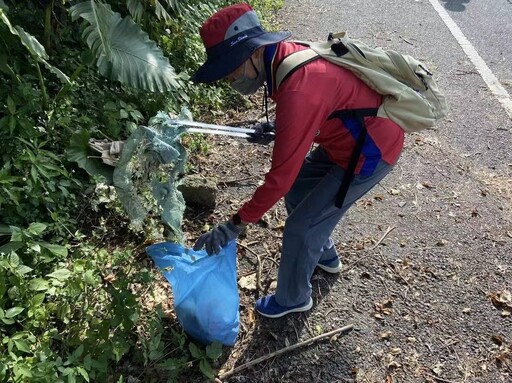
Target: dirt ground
<point>426,280</point>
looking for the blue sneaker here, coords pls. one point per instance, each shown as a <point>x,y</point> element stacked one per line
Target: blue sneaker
<point>268,307</point>
<point>332,265</point>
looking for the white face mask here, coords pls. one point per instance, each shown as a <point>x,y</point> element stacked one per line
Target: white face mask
<point>245,85</point>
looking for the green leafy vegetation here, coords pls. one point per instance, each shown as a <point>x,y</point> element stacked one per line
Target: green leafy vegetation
<point>79,299</point>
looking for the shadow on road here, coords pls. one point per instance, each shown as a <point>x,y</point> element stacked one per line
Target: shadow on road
<point>456,5</point>
<point>308,363</point>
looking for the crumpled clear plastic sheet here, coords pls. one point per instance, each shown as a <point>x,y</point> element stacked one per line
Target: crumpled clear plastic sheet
<point>146,176</point>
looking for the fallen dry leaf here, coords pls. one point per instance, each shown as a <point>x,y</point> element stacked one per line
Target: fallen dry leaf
<point>503,300</point>
<point>505,355</point>
<point>384,307</point>
<point>248,282</point>
<point>386,335</point>
<point>110,278</point>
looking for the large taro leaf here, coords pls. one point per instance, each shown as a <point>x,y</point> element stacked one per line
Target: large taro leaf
<point>35,48</point>
<point>174,4</point>
<point>136,9</point>
<point>80,152</point>
<point>161,13</point>
<point>124,52</point>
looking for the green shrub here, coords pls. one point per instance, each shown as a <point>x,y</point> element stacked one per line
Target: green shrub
<point>76,301</point>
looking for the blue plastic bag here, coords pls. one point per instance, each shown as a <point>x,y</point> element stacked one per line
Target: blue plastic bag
<point>205,290</point>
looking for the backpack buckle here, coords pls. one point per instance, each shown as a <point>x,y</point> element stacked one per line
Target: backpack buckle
<point>339,48</point>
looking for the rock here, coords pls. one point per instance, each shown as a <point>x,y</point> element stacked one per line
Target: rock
<point>199,190</point>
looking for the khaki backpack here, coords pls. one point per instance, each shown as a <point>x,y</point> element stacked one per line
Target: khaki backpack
<point>412,98</point>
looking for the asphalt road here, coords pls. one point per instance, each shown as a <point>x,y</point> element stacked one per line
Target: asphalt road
<point>478,123</point>
<point>448,202</point>
<point>488,25</point>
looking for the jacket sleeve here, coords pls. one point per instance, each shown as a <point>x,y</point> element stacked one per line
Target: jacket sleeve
<point>298,118</point>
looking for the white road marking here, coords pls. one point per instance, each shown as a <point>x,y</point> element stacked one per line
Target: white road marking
<point>490,79</point>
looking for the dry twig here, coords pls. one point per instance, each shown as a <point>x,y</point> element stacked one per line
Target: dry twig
<point>438,378</point>
<point>389,230</point>
<point>284,350</point>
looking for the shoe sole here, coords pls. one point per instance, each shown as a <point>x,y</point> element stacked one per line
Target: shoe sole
<point>331,270</point>
<point>295,310</point>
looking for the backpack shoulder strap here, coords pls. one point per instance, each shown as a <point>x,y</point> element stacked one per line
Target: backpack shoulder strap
<point>291,63</point>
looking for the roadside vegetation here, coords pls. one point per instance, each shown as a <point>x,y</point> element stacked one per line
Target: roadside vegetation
<point>78,300</point>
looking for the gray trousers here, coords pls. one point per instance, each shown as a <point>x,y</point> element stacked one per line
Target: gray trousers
<point>312,217</point>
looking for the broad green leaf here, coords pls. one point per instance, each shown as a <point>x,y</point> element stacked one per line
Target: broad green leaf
<point>61,251</point>
<point>124,51</point>
<point>13,311</point>
<point>99,16</point>
<point>36,228</point>
<point>37,299</point>
<point>12,124</point>
<point>35,48</point>
<point>14,260</point>
<point>3,367</point>
<point>80,153</point>
<point>5,8</point>
<point>78,352</point>
<point>214,350</point>
<point>24,371</point>
<point>20,335</point>
<point>5,230</point>
<point>194,351</point>
<point>30,42</point>
<point>61,274</point>
<point>206,369</point>
<point>17,234</point>
<point>22,345</point>
<point>35,247</point>
<point>23,269</point>
<point>89,278</point>
<point>11,105</point>
<point>38,284</point>
<point>84,373</point>
<point>10,247</point>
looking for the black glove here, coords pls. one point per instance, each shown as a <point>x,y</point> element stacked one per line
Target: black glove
<point>264,134</point>
<point>219,237</point>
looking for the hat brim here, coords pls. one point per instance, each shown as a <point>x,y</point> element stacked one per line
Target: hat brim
<point>219,67</point>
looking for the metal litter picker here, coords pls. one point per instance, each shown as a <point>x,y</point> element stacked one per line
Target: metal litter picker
<point>201,127</point>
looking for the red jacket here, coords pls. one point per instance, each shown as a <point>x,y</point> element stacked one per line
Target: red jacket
<point>304,101</point>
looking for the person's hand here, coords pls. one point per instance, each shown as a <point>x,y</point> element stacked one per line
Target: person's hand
<point>264,134</point>
<point>219,237</point>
